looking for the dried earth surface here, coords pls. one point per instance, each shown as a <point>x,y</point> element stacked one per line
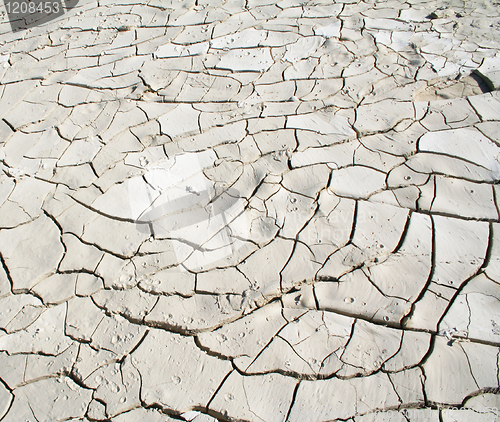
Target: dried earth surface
<point>252,211</point>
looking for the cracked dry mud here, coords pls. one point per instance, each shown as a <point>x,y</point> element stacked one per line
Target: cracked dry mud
<point>251,210</point>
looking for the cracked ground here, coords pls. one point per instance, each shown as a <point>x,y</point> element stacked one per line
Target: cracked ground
<point>251,210</point>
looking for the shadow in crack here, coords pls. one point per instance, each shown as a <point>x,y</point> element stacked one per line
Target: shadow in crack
<point>24,14</point>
